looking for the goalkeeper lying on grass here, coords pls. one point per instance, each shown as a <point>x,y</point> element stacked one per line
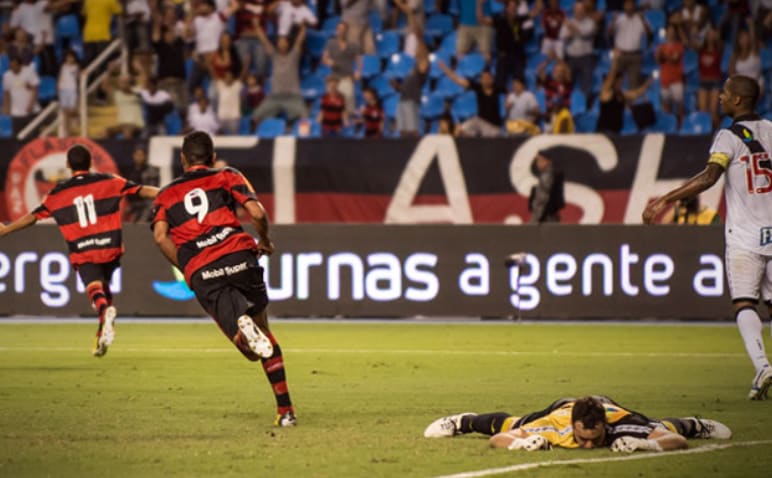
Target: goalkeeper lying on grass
<point>588,422</point>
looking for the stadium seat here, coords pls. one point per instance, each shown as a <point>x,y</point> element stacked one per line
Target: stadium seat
<point>322,71</point>
<point>434,58</point>
<point>578,102</point>
<point>47,88</point>
<point>656,19</point>
<point>430,6</point>
<point>316,41</point>
<point>382,86</point>
<point>727,121</point>
<point>173,123</point>
<point>690,61</point>
<point>271,128</point>
<point>628,123</point>
<point>766,59</point>
<point>698,122</point>
<point>245,125</point>
<point>390,106</point>
<point>312,86</point>
<point>329,25</point>
<point>432,106</point>
<point>586,122</point>
<point>448,44</point>
<point>371,66</point>
<point>4,63</point>
<point>438,25</point>
<point>666,123</point>
<point>6,126</point>
<point>376,22</point>
<point>465,106</point>
<point>387,43</point>
<point>399,66</point>
<point>470,65</point>
<point>541,98</point>
<point>447,88</point>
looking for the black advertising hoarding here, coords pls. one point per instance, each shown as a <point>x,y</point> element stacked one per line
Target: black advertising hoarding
<point>398,271</point>
<point>434,179</point>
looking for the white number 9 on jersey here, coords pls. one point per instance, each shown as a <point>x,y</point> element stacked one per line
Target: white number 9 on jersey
<point>197,204</point>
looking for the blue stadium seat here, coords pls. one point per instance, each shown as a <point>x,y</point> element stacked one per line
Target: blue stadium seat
<point>382,86</point>
<point>67,31</point>
<point>376,22</point>
<point>315,42</point>
<point>6,126</point>
<point>727,121</point>
<point>698,122</point>
<point>173,123</point>
<point>541,98</point>
<point>434,58</point>
<point>586,122</point>
<point>390,106</point>
<point>245,125</point>
<point>666,123</point>
<point>448,44</point>
<point>766,59</point>
<point>312,86</point>
<point>690,61</point>
<point>578,102</point>
<point>371,66</point>
<point>399,66</point>
<point>271,128</point>
<point>322,71</point>
<point>4,63</point>
<point>47,88</point>
<point>628,123</point>
<point>447,88</point>
<point>430,6</point>
<point>432,106</point>
<point>465,106</point>
<point>329,25</point>
<point>470,65</point>
<point>307,128</point>
<point>656,19</point>
<point>387,43</point>
<point>438,25</point>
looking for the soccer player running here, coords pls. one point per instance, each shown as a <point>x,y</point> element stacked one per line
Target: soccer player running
<point>743,151</point>
<point>587,422</point>
<point>86,208</point>
<point>196,227</point>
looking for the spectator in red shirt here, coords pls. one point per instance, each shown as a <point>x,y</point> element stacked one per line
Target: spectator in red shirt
<point>552,20</point>
<point>557,85</point>
<point>372,114</point>
<point>332,114</point>
<point>670,56</point>
<point>711,76</point>
<point>225,59</point>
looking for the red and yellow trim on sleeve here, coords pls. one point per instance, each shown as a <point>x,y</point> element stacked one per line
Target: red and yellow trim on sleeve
<point>722,159</point>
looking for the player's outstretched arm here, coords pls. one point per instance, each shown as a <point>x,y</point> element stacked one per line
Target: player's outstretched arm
<point>692,187</point>
<point>17,225</point>
<point>259,220</point>
<point>162,240</point>
<point>148,192</point>
<point>658,440</point>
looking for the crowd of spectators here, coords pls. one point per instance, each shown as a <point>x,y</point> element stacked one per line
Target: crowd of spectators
<point>369,68</point>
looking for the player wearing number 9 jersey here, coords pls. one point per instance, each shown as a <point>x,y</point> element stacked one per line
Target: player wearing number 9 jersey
<point>196,226</point>
<point>744,152</point>
<point>86,208</point>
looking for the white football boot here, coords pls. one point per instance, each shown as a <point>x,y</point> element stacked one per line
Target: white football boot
<point>711,429</point>
<point>446,426</point>
<point>107,336</point>
<point>257,340</point>
<point>761,383</point>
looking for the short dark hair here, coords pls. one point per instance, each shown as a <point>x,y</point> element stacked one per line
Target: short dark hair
<point>589,412</point>
<point>79,158</point>
<point>198,148</point>
<point>745,87</point>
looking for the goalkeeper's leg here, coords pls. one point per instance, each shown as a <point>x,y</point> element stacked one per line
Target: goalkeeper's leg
<point>488,424</point>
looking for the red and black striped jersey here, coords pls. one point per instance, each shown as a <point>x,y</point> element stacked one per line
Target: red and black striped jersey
<point>200,208</point>
<point>86,208</point>
<point>332,107</point>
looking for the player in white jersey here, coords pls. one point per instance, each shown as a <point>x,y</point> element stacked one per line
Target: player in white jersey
<point>744,152</point>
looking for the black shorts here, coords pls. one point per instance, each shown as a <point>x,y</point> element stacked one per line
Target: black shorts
<point>98,272</point>
<point>230,287</point>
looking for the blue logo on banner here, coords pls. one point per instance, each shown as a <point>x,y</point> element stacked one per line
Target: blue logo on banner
<point>766,235</point>
<point>175,290</point>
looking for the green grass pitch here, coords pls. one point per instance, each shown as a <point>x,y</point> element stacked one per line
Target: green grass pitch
<point>178,400</point>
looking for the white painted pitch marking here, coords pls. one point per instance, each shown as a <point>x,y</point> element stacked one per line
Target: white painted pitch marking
<point>584,461</point>
<point>554,353</point>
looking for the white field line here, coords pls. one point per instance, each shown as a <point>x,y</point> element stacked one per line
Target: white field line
<point>514,353</point>
<point>583,461</point>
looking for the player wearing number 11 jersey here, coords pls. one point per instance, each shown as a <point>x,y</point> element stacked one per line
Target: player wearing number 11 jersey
<point>196,227</point>
<point>744,152</point>
<point>86,208</point>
